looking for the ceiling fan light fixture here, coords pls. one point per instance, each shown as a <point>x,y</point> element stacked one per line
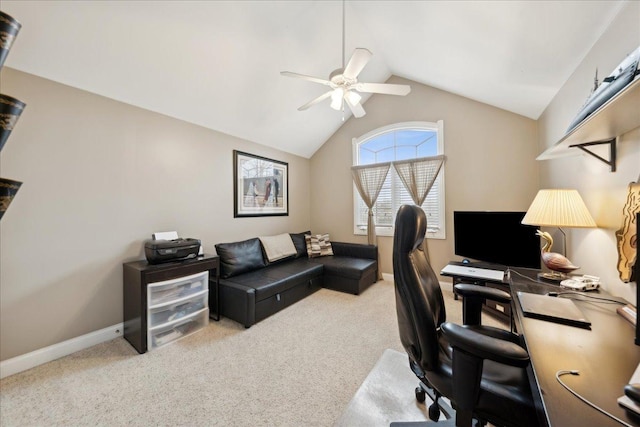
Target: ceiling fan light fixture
<point>353,97</point>
<point>336,98</point>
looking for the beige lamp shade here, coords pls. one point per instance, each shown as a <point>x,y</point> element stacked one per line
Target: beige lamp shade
<point>558,208</point>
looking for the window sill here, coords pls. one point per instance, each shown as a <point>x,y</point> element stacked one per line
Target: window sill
<point>386,232</point>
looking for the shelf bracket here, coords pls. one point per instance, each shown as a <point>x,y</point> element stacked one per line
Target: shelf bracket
<point>612,151</point>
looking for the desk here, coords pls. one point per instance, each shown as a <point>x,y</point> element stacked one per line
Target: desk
<point>606,357</point>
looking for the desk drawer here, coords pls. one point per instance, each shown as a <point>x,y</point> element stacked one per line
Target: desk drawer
<point>498,308</point>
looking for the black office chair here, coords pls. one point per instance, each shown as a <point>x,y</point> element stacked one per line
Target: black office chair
<point>480,369</point>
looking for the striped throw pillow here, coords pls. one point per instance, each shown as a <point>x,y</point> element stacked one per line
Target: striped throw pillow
<point>318,245</point>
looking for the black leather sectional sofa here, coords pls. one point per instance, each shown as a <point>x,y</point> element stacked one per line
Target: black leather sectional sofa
<point>252,289</point>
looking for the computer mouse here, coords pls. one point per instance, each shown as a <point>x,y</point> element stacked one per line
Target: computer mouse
<point>632,391</point>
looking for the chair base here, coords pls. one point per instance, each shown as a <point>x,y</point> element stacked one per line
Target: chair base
<point>443,423</point>
<point>446,409</point>
<point>443,406</point>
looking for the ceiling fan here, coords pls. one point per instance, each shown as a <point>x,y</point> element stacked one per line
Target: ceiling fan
<point>344,82</point>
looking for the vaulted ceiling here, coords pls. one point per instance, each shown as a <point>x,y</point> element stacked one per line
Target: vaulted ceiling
<point>217,63</point>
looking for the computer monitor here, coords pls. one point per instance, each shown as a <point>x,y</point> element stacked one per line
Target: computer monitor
<point>496,238</point>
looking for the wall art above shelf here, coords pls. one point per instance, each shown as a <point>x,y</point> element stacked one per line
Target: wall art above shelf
<point>617,116</point>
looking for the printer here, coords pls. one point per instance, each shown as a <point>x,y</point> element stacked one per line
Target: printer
<point>163,250</point>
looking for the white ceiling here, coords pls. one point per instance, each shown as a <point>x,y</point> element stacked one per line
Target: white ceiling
<point>217,63</point>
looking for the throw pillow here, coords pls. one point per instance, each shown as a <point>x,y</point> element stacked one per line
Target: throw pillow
<point>300,243</point>
<point>240,257</point>
<point>278,247</point>
<point>318,245</point>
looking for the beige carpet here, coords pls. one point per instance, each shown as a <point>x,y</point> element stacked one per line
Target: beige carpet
<point>301,366</point>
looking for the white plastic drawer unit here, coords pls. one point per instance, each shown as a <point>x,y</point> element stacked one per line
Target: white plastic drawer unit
<point>176,308</point>
<point>176,289</point>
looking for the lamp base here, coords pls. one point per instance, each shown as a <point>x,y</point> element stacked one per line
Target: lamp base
<point>553,277</point>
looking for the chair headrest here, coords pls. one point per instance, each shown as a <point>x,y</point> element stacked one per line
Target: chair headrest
<point>411,226</point>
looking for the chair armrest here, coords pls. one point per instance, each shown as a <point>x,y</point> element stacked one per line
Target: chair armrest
<point>470,349</point>
<point>355,250</point>
<point>467,290</point>
<point>485,347</point>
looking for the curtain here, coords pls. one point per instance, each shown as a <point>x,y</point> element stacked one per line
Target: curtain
<point>369,180</point>
<point>418,176</point>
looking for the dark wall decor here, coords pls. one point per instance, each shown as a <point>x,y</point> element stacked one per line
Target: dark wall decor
<point>9,29</point>
<point>260,186</point>
<point>8,190</point>
<point>10,108</point>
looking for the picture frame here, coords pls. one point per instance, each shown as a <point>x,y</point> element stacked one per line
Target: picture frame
<point>260,186</point>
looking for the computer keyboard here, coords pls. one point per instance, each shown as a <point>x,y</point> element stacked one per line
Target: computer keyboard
<point>468,271</point>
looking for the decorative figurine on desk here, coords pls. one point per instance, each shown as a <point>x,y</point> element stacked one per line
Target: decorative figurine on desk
<point>558,264</point>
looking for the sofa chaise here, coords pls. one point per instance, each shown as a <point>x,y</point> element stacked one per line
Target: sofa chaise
<point>254,284</point>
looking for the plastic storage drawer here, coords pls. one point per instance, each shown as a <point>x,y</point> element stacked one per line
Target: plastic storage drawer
<point>172,331</point>
<point>174,310</point>
<point>176,289</point>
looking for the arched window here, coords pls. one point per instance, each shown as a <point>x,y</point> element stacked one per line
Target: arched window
<point>400,141</point>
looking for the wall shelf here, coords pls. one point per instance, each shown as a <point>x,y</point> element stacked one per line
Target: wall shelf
<point>616,117</point>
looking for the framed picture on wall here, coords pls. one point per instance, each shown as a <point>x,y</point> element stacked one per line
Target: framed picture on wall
<point>260,186</point>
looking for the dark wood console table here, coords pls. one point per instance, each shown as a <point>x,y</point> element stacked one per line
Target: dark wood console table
<point>139,275</point>
<point>606,357</point>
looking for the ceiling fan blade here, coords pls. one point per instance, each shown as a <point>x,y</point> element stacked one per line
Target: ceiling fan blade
<point>315,101</point>
<point>357,62</point>
<point>356,108</point>
<point>385,88</point>
<point>305,77</point>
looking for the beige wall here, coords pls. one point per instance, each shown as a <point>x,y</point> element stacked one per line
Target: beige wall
<point>490,163</point>
<point>604,192</point>
<point>99,177</point>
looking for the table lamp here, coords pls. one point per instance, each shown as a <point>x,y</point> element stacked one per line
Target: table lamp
<point>557,208</point>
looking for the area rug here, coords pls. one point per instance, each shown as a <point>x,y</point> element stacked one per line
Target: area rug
<point>386,395</point>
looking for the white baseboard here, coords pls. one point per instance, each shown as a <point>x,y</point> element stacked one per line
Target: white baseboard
<point>56,351</point>
<point>447,286</point>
